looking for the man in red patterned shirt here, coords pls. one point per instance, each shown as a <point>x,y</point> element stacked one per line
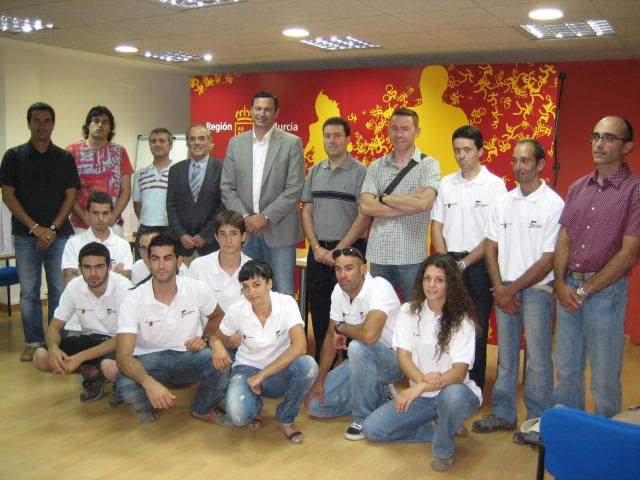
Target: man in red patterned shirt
<point>103,166</point>
<point>597,246</point>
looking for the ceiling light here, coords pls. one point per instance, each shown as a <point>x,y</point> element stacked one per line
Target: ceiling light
<point>198,3</point>
<point>22,25</point>
<point>177,57</point>
<point>126,49</point>
<point>546,14</point>
<point>295,32</point>
<point>586,29</point>
<point>339,43</point>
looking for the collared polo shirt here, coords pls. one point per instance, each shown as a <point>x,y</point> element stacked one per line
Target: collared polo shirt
<point>400,240</point>
<point>376,294</point>
<point>40,181</point>
<point>335,194</point>
<point>97,315</point>
<point>150,188</point>
<point>118,247</point>
<point>226,287</point>
<point>166,327</point>
<point>598,216</point>
<point>261,345</point>
<point>463,207</point>
<point>418,334</point>
<point>525,227</point>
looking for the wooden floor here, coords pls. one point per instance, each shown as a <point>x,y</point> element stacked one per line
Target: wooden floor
<point>47,433</point>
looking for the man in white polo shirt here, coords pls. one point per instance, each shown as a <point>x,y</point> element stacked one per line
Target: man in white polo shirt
<point>140,270</point>
<point>220,269</point>
<point>99,210</point>
<point>363,309</point>
<point>458,221</point>
<point>521,237</point>
<point>160,339</point>
<point>95,297</point>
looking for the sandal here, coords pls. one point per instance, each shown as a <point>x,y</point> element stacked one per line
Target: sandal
<point>255,424</point>
<point>294,437</point>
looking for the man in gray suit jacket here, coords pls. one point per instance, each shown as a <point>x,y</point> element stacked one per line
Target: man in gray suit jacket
<point>262,178</point>
<point>193,196</point>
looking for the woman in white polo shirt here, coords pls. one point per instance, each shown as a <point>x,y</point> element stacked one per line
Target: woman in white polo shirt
<point>435,341</point>
<point>271,359</point>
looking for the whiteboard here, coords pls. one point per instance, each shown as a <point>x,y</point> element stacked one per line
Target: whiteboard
<point>143,152</point>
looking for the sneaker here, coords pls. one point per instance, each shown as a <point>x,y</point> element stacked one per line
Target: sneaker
<point>390,392</point>
<point>115,400</point>
<point>528,438</point>
<point>93,387</point>
<point>27,354</point>
<point>491,423</point>
<point>355,432</point>
<point>441,464</point>
<point>149,416</point>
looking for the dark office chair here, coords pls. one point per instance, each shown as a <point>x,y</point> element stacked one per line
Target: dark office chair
<point>8,277</point>
<point>582,446</point>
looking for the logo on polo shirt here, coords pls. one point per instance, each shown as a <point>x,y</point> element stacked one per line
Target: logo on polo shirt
<point>535,224</point>
<point>280,333</point>
<point>479,204</point>
<point>505,224</point>
<point>111,311</point>
<point>150,323</point>
<point>186,312</point>
<point>84,310</point>
<point>449,205</point>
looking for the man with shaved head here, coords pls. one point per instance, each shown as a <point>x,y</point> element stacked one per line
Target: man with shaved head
<point>597,246</point>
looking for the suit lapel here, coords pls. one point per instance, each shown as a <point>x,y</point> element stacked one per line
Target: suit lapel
<point>272,152</point>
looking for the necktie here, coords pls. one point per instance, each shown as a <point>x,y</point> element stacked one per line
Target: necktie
<point>194,181</point>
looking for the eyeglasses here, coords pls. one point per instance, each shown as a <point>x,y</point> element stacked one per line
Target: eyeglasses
<point>607,137</point>
<point>350,252</point>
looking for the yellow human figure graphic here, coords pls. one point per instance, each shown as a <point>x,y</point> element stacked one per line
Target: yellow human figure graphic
<point>314,149</point>
<point>438,120</point>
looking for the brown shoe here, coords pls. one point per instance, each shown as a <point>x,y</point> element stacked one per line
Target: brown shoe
<point>27,354</point>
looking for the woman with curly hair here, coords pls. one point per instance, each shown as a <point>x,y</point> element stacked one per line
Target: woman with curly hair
<point>435,342</point>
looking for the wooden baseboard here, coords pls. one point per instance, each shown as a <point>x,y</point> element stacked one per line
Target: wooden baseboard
<point>16,307</point>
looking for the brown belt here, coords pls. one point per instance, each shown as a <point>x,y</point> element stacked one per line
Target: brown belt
<point>581,275</point>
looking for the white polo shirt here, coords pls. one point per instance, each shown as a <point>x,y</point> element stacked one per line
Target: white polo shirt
<point>420,337</point>
<point>376,294</point>
<point>118,247</point>
<point>166,327</point>
<point>226,287</point>
<point>139,271</point>
<point>525,228</point>
<point>260,345</point>
<point>95,314</point>
<point>463,207</point>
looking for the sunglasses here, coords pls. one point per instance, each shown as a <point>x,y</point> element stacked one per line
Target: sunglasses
<point>350,252</point>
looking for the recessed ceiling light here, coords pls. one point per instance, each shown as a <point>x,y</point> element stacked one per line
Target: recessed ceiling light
<point>207,56</point>
<point>295,32</point>
<point>198,3</point>
<point>586,29</point>
<point>338,43</point>
<point>126,49</point>
<point>177,57</point>
<point>22,25</point>
<point>546,14</point>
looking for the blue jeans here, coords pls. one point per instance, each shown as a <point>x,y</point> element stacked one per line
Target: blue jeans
<point>281,259</point>
<point>170,366</point>
<point>453,405</point>
<point>536,306</point>
<point>29,267</point>
<point>293,383</point>
<point>596,330</point>
<point>400,276</point>
<point>355,387</point>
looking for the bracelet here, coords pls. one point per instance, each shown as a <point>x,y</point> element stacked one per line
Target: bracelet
<point>33,228</point>
<point>316,247</point>
<point>335,327</point>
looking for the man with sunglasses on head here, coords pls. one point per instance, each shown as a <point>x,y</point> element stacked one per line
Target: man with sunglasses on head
<point>598,245</point>
<point>363,310</point>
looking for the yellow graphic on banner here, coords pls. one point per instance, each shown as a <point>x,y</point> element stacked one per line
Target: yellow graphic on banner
<point>201,83</point>
<point>314,149</point>
<point>243,121</point>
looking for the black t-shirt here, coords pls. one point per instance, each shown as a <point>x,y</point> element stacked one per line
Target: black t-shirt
<point>40,180</point>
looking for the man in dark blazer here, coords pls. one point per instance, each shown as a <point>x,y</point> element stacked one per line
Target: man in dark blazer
<point>193,196</point>
<point>262,178</point>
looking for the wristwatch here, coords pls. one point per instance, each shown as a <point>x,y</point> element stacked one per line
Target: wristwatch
<point>462,266</point>
<point>335,327</point>
<point>53,227</point>
<point>206,339</point>
<point>582,293</point>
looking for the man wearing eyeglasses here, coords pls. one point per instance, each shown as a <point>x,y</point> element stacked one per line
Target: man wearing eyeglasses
<point>598,244</point>
<point>363,309</point>
<point>103,166</point>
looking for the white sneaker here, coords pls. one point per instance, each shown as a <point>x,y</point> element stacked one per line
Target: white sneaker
<point>355,432</point>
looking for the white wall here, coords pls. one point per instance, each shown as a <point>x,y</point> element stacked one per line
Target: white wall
<point>141,97</point>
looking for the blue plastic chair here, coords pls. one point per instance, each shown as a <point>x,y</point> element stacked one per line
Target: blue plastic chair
<point>8,277</point>
<point>582,446</point>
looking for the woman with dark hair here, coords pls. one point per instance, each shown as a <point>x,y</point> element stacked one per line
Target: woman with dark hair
<point>435,342</point>
<point>270,360</point>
